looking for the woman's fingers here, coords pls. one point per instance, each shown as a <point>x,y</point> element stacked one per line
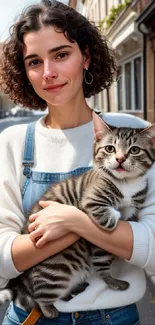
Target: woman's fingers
<point>32,226</point>
<point>36,234</point>
<point>45,204</point>
<point>33,217</point>
<point>42,241</point>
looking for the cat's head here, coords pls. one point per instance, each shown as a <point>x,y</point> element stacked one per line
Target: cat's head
<point>124,152</point>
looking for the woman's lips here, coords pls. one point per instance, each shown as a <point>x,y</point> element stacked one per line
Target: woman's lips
<point>54,88</point>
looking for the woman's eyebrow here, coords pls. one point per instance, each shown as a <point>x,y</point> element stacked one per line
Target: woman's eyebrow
<point>55,49</point>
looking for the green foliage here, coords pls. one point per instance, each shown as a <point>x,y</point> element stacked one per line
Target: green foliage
<point>114,12</point>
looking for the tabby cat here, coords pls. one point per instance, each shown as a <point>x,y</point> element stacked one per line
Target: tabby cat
<point>114,188</point>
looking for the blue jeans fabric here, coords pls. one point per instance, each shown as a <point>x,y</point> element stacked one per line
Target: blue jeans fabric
<point>36,183</point>
<point>117,316</point>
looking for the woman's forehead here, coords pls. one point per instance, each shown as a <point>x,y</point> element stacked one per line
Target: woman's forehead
<point>48,38</point>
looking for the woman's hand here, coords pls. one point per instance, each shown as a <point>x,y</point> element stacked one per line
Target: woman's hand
<point>53,222</point>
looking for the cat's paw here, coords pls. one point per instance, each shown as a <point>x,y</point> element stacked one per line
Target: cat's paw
<point>49,311</point>
<point>109,221</point>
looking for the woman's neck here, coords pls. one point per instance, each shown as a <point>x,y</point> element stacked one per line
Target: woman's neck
<point>68,116</point>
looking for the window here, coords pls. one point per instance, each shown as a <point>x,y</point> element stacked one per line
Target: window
<point>119,89</point>
<point>129,86</point>
<point>137,83</point>
<point>106,7</point>
<point>93,15</point>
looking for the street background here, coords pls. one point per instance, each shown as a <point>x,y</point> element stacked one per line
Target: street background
<point>146,306</point>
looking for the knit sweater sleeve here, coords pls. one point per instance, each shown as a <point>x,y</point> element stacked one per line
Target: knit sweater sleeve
<point>144,231</point>
<point>11,211</point>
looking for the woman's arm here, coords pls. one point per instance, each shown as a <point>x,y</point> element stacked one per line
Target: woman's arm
<point>25,254</point>
<point>18,252</point>
<point>56,219</point>
<point>118,242</point>
<point>133,241</point>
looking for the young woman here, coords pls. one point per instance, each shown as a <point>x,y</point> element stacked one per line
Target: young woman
<point>55,58</point>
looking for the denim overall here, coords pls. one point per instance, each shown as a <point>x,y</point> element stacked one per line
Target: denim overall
<point>35,185</point>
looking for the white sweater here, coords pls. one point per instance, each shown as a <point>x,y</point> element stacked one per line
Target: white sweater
<point>67,150</point>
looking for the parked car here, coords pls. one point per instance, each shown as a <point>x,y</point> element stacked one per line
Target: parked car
<point>24,111</point>
<point>4,113</point>
<point>39,112</point>
<point>21,111</point>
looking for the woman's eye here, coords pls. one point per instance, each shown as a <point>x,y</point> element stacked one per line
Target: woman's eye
<point>109,149</point>
<point>34,62</point>
<point>61,55</point>
<point>135,150</point>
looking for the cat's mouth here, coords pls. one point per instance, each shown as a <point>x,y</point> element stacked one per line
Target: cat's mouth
<point>120,169</point>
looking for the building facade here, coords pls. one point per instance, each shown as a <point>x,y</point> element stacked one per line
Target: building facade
<point>130,28</point>
<point>146,25</point>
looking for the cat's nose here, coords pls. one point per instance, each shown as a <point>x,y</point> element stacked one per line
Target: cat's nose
<point>120,160</point>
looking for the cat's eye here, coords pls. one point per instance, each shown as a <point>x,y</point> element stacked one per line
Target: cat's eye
<point>134,150</point>
<point>110,149</point>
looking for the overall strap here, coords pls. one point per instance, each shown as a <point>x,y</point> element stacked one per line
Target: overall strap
<point>28,159</point>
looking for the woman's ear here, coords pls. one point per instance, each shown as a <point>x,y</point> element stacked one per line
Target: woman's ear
<point>87,58</point>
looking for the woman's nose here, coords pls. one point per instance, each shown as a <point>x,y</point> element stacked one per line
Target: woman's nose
<point>49,72</point>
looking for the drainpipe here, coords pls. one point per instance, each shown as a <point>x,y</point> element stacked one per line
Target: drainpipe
<point>154,82</point>
<point>144,30</point>
<point>108,100</point>
<point>153,47</point>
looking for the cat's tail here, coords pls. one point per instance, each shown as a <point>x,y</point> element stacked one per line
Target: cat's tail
<point>6,295</point>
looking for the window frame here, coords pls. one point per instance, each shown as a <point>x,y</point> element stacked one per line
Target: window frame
<point>133,104</point>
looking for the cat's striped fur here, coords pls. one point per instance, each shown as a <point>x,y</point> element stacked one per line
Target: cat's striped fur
<point>115,188</point>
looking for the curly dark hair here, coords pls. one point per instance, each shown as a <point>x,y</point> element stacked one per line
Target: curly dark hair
<point>76,28</point>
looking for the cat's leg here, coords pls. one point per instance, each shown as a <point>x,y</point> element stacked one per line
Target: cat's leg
<point>105,217</point>
<point>60,274</point>
<point>102,261</point>
<point>114,284</point>
<point>48,311</point>
<point>79,288</point>
<point>6,295</point>
<point>79,259</point>
<point>67,297</point>
<point>109,218</point>
<point>100,203</point>
<point>76,290</point>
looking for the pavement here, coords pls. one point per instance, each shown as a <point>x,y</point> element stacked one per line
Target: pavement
<point>6,122</point>
<point>146,306</point>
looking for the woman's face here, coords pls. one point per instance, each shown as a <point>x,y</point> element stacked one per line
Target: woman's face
<point>54,66</point>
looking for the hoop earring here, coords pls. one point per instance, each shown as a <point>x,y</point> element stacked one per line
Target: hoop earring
<point>89,76</point>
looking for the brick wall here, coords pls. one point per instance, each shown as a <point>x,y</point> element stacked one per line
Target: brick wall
<point>144,4</point>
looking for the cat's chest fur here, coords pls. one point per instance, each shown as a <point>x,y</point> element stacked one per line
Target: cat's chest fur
<point>131,190</point>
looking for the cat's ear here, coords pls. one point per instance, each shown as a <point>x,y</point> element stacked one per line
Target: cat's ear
<point>150,131</point>
<point>100,127</point>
